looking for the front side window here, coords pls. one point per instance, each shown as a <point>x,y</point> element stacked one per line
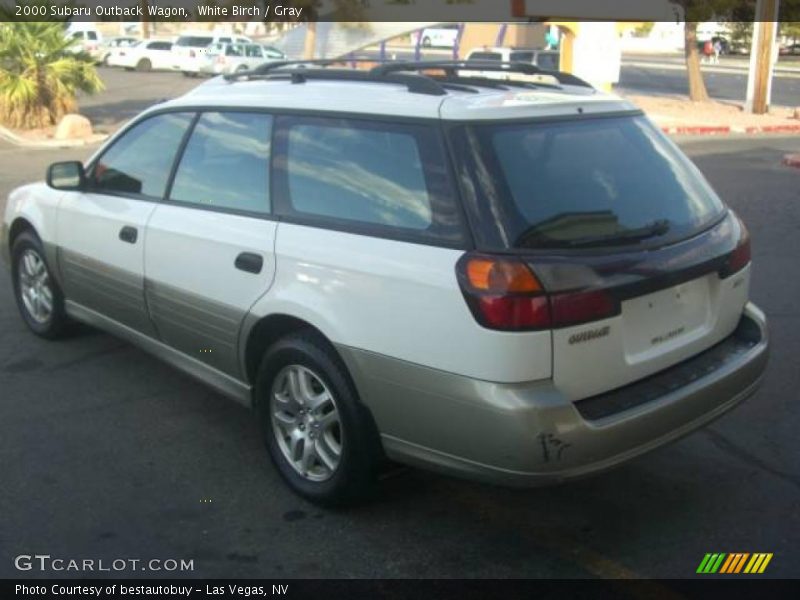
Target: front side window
<point>364,175</point>
<point>253,51</point>
<point>226,163</point>
<point>140,161</point>
<point>582,183</point>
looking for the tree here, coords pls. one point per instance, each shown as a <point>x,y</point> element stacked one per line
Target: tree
<point>344,10</point>
<point>39,75</point>
<point>697,11</point>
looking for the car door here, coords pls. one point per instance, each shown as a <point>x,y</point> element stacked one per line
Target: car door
<point>209,251</point>
<point>160,54</point>
<point>254,55</point>
<point>100,231</point>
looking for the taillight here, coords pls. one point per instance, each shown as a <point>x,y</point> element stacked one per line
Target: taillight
<point>740,257</point>
<point>220,60</point>
<point>191,54</point>
<point>505,294</point>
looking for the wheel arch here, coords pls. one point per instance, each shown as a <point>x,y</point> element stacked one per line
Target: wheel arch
<point>19,225</point>
<point>262,332</point>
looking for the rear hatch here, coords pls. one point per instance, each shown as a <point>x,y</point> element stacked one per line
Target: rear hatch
<point>641,263</point>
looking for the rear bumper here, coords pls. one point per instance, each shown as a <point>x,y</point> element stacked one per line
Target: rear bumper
<point>529,434</point>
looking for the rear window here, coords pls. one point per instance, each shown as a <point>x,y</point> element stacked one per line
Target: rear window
<point>194,41</point>
<point>589,183</point>
<point>485,56</point>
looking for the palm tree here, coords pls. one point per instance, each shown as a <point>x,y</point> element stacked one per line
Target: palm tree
<point>39,75</point>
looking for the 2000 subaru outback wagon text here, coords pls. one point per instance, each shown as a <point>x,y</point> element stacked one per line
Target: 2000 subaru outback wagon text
<point>516,281</point>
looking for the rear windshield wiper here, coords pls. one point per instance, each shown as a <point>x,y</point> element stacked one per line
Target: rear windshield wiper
<point>654,229</point>
<point>532,239</point>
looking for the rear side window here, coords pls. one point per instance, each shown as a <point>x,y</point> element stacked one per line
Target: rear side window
<point>548,62</point>
<point>140,161</point>
<point>526,57</point>
<point>367,177</point>
<point>226,163</point>
<point>588,183</point>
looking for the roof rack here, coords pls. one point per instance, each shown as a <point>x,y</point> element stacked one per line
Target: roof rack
<point>299,71</point>
<point>451,68</point>
<point>398,72</point>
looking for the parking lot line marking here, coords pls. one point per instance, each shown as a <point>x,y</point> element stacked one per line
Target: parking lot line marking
<point>570,550</point>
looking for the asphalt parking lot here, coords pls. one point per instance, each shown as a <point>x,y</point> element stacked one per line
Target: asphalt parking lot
<point>107,453</point>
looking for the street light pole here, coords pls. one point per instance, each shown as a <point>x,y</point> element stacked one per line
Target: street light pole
<point>762,53</point>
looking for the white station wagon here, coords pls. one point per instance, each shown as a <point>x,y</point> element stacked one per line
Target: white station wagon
<point>509,281</point>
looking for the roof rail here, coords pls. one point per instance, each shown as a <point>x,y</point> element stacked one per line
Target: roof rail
<point>398,72</point>
<point>451,68</point>
<point>301,70</point>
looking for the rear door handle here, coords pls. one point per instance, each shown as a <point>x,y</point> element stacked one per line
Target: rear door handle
<point>249,262</point>
<point>128,234</point>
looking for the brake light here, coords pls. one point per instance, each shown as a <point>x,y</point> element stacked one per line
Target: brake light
<point>505,294</point>
<point>741,255</point>
<point>191,54</point>
<point>220,60</point>
<point>581,307</point>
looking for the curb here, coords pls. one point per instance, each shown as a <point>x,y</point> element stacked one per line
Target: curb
<point>728,129</point>
<point>792,160</point>
<point>9,136</point>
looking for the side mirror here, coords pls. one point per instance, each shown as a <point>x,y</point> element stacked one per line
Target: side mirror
<point>66,176</point>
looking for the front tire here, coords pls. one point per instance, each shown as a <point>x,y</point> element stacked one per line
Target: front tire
<point>320,438</point>
<point>38,295</point>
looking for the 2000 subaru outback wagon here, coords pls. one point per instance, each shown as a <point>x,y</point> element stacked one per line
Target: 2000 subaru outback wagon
<point>512,281</point>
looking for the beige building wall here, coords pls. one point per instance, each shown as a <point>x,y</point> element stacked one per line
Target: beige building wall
<point>528,35</point>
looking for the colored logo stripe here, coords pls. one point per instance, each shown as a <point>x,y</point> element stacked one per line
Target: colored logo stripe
<point>758,563</point>
<point>721,562</point>
<point>734,563</point>
<point>711,563</point>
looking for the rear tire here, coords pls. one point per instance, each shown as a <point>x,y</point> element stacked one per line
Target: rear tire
<point>144,65</point>
<point>38,295</point>
<point>426,42</point>
<point>320,437</point>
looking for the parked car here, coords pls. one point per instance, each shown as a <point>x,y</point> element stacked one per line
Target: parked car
<point>548,60</point>
<point>188,51</point>
<point>443,36</point>
<point>450,274</point>
<point>111,44</point>
<point>146,55</point>
<point>790,50</point>
<point>86,40</point>
<point>230,58</point>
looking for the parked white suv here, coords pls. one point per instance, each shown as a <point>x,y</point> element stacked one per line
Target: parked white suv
<point>510,282</point>
<point>188,51</point>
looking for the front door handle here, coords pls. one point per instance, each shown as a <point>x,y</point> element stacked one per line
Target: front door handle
<point>128,234</point>
<point>249,262</point>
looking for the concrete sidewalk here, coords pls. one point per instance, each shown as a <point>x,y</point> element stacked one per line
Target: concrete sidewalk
<point>679,116</point>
